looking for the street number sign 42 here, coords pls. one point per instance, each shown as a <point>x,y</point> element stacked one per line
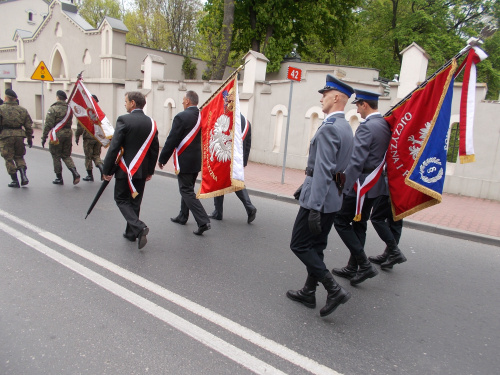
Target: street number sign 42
<point>294,74</point>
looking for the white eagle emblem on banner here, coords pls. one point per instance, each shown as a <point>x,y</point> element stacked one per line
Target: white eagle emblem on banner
<point>220,145</point>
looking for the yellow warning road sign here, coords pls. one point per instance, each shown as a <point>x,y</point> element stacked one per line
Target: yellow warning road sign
<point>42,73</point>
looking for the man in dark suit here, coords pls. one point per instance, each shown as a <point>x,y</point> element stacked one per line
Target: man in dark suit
<point>246,130</point>
<point>137,135</point>
<point>370,145</point>
<point>185,139</point>
<point>319,200</point>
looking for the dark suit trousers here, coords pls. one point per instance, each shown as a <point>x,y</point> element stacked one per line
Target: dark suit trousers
<point>189,202</point>
<point>353,233</point>
<point>309,247</point>
<point>242,195</point>
<point>129,207</point>
<point>382,221</point>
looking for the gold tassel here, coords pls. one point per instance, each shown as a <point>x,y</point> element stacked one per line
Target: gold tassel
<point>467,159</point>
<point>357,218</point>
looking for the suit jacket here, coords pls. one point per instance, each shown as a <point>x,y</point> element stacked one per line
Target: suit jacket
<point>247,142</point>
<point>131,132</point>
<point>329,153</point>
<point>183,123</point>
<point>370,144</point>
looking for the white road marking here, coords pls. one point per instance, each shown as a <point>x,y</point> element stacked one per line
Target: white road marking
<point>233,327</point>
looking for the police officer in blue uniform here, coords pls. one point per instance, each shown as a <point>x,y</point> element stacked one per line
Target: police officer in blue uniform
<point>320,197</point>
<point>371,141</point>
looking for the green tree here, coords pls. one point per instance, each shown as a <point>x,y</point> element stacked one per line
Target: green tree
<point>94,11</point>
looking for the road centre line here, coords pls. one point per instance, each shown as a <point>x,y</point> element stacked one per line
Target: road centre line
<point>233,327</point>
<point>206,338</point>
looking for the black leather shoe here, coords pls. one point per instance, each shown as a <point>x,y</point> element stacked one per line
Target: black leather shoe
<point>251,215</point>
<point>202,229</point>
<point>392,259</point>
<point>178,221</point>
<point>345,272</point>
<point>143,240</point>
<point>215,215</point>
<point>129,237</point>
<point>307,299</point>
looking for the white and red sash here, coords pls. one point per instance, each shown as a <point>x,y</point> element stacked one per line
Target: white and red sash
<point>53,132</point>
<point>245,130</point>
<point>138,158</point>
<point>361,190</point>
<point>185,143</point>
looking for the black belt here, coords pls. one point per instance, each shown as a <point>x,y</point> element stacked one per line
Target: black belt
<point>309,171</point>
<point>368,170</point>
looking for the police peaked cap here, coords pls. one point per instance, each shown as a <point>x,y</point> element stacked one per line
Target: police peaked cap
<point>11,93</point>
<point>333,83</point>
<point>365,95</point>
<point>61,94</point>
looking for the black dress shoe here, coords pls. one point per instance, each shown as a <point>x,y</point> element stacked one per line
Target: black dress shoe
<point>251,215</point>
<point>129,237</point>
<point>202,229</point>
<point>143,240</point>
<point>178,221</point>
<point>215,215</point>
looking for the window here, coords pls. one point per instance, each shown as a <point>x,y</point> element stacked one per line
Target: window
<point>30,16</point>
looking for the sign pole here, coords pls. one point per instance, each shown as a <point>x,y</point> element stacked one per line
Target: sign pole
<point>43,109</point>
<point>286,134</point>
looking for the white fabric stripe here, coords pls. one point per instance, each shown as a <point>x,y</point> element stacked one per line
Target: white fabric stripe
<point>53,135</point>
<point>237,172</point>
<point>190,134</point>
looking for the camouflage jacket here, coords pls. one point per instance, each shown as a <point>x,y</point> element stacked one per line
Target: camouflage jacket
<point>56,113</point>
<point>81,130</point>
<point>13,118</point>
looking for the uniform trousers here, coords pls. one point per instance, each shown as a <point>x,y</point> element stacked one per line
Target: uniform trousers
<point>309,247</point>
<point>62,151</point>
<point>387,229</point>
<point>242,195</point>
<point>92,150</point>
<point>13,151</point>
<point>128,206</point>
<point>189,202</point>
<point>353,233</point>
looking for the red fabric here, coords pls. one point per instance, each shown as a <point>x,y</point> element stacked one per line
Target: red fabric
<point>408,123</point>
<point>216,174</point>
<point>92,114</point>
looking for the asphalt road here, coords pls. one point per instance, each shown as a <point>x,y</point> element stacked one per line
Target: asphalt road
<point>77,298</point>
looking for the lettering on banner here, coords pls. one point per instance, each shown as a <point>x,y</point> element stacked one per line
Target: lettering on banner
<point>393,150</point>
<point>206,152</point>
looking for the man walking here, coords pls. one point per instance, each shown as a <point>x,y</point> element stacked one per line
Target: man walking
<point>320,197</point>
<point>13,118</point>
<point>368,158</point>
<point>91,148</point>
<point>137,136</point>
<point>185,132</point>
<point>246,130</point>
<point>58,122</point>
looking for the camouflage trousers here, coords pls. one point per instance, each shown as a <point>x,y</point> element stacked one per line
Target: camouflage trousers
<point>13,151</point>
<point>92,151</point>
<point>62,151</point>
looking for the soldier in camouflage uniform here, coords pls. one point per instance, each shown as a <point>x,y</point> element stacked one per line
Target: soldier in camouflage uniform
<point>61,150</point>
<point>91,148</point>
<point>13,118</point>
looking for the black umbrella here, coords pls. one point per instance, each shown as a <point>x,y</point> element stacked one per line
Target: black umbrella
<point>104,184</point>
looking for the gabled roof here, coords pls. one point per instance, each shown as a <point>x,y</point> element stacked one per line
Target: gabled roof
<point>71,11</point>
<point>114,23</point>
<point>23,33</point>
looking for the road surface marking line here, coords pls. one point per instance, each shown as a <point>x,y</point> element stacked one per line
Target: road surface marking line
<point>233,327</point>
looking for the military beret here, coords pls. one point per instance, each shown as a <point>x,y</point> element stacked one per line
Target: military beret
<point>333,83</point>
<point>11,93</point>
<point>61,94</point>
<point>365,95</point>
<point>95,98</point>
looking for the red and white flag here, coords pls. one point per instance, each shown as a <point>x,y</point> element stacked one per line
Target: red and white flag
<point>222,143</point>
<point>468,104</point>
<point>90,115</point>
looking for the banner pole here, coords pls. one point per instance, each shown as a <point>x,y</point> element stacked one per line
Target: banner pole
<point>286,134</point>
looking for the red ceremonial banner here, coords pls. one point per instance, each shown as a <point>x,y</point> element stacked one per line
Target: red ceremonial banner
<point>411,123</point>
<point>218,117</point>
<point>90,115</point>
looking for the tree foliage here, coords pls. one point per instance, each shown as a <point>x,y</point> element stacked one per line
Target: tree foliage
<point>94,11</point>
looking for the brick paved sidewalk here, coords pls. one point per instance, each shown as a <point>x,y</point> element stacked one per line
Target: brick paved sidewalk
<point>458,213</point>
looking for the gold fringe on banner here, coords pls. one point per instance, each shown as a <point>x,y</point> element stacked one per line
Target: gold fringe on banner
<point>464,159</point>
